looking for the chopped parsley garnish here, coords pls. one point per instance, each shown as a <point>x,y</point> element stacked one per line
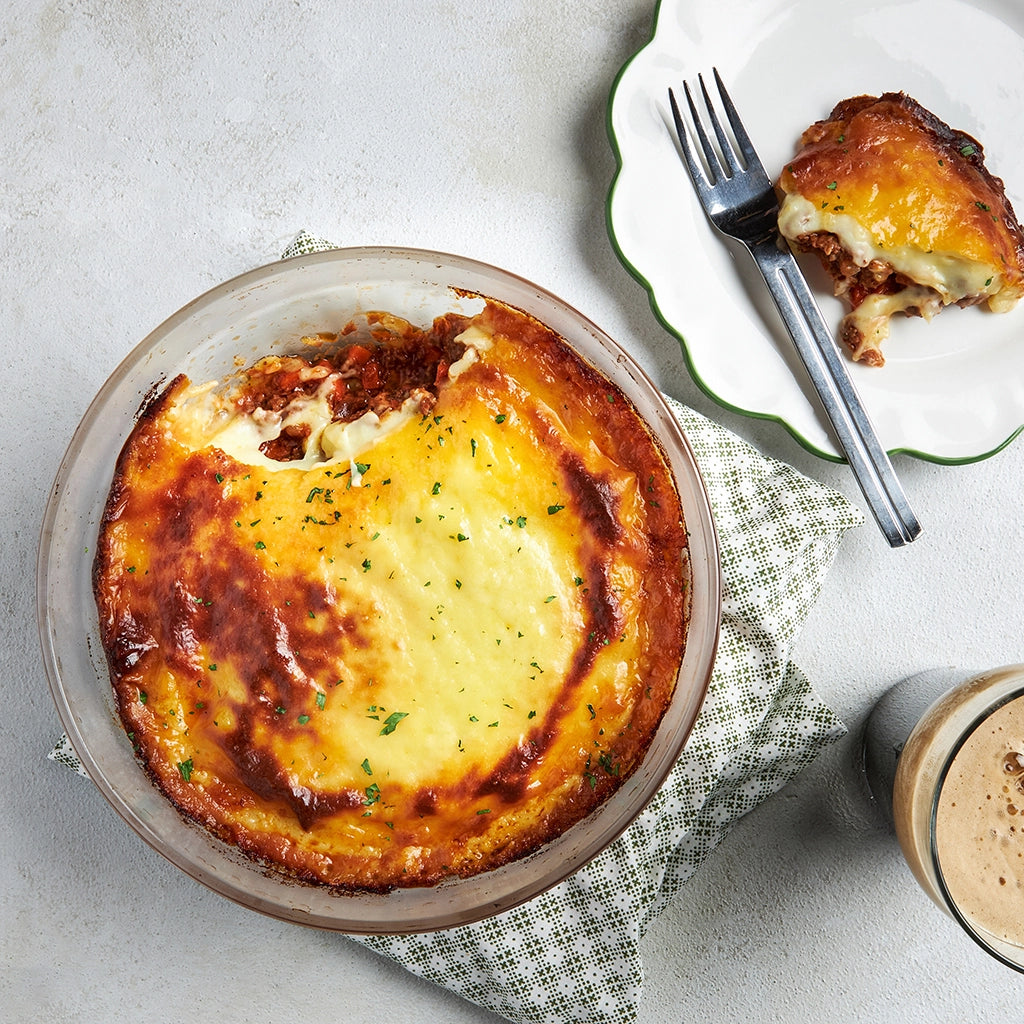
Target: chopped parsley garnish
<point>391,722</point>
<point>186,768</point>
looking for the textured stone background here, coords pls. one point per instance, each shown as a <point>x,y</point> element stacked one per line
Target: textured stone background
<point>154,148</point>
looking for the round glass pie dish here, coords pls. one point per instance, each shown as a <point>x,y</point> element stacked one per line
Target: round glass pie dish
<point>265,311</point>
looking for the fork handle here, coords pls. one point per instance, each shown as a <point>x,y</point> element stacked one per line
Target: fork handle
<point>826,367</point>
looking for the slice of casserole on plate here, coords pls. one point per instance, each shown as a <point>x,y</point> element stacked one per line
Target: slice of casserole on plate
<point>903,214</point>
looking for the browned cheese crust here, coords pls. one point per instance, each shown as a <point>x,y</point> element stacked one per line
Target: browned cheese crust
<point>425,661</point>
<point>897,204</point>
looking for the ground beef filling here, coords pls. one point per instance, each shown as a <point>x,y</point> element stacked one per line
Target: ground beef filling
<point>376,373</point>
<point>849,278</point>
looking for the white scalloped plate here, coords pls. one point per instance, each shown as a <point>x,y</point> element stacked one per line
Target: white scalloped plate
<point>952,391</point>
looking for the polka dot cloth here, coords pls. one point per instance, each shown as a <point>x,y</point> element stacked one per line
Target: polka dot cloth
<point>572,955</point>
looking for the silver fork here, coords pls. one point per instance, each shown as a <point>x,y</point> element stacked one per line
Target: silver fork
<point>740,201</point>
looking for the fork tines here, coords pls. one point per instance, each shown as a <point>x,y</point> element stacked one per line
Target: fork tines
<point>722,160</point>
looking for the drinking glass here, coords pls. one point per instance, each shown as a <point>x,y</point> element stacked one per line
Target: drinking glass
<point>944,757</point>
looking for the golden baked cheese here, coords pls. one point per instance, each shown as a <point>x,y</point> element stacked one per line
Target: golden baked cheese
<point>904,215</point>
<point>404,606</point>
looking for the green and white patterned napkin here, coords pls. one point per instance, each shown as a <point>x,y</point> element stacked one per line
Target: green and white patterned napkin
<point>572,955</point>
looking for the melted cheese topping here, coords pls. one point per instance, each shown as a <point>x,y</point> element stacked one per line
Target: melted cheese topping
<point>952,276</point>
<point>870,320</point>
<point>425,668</point>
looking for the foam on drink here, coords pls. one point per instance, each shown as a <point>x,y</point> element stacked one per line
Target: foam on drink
<point>979,825</point>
